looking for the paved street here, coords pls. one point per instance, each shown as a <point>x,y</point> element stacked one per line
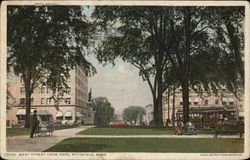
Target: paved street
<point>39,144</point>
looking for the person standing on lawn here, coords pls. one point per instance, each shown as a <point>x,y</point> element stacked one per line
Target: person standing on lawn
<point>35,123</point>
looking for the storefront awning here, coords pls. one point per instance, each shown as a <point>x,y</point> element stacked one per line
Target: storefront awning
<point>42,112</point>
<point>39,112</point>
<point>23,112</point>
<point>241,114</point>
<point>78,114</point>
<point>68,114</point>
<point>59,114</point>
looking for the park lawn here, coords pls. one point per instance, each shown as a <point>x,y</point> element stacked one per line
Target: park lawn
<point>127,130</point>
<point>135,130</point>
<point>179,145</point>
<point>26,131</point>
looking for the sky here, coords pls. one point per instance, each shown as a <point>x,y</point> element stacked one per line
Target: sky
<point>120,84</point>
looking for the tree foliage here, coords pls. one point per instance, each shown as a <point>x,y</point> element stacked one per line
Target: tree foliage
<point>104,111</point>
<point>136,45</point>
<point>172,44</point>
<point>132,113</point>
<point>44,44</point>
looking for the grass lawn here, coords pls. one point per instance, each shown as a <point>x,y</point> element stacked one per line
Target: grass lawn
<point>187,145</point>
<point>135,130</point>
<point>26,131</point>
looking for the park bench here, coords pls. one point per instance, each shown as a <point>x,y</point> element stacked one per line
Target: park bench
<point>44,131</point>
<point>229,129</point>
<point>189,131</point>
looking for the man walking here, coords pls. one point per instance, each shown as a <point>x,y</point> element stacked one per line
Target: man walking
<point>35,123</point>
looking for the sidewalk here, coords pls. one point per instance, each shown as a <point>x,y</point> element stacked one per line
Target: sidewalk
<point>39,144</point>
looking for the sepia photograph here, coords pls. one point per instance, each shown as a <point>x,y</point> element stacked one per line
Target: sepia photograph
<point>125,80</point>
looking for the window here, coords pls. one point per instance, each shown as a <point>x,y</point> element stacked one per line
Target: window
<point>68,118</point>
<point>22,90</point>
<point>216,101</point>
<point>206,101</point>
<point>48,101</point>
<point>32,100</point>
<point>21,79</point>
<point>224,101</point>
<point>48,90</point>
<point>43,90</point>
<point>69,90</point>
<point>22,100</point>
<point>42,100</point>
<point>181,103</point>
<point>59,118</point>
<point>68,100</point>
<point>231,101</point>
<point>68,77</point>
<point>196,103</point>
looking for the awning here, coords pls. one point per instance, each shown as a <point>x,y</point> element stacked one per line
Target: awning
<point>224,99</point>
<point>42,112</point>
<point>78,114</point>
<point>59,114</point>
<point>241,114</point>
<point>68,114</point>
<point>23,112</point>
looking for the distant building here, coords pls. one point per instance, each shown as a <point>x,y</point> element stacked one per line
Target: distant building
<point>73,106</point>
<point>207,107</point>
<point>149,114</point>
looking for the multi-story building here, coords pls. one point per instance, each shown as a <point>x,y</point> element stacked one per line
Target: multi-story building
<point>72,107</point>
<point>206,106</point>
<point>149,116</point>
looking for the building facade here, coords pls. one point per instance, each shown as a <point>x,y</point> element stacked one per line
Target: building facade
<point>203,104</point>
<point>72,107</point>
<point>149,116</point>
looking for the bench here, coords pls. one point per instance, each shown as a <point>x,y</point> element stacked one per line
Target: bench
<point>229,129</point>
<point>43,132</point>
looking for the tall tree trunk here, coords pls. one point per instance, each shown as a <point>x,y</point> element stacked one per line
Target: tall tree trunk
<point>159,100</point>
<point>155,121</point>
<point>159,115</point>
<point>168,105</point>
<point>185,97</point>
<point>173,111</point>
<point>235,42</point>
<point>27,101</point>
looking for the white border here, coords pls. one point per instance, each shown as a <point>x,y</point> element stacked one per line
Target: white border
<point>127,155</point>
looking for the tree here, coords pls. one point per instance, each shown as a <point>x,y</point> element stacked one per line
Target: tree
<point>44,44</point>
<point>229,37</point>
<point>104,111</point>
<point>160,41</point>
<point>136,45</point>
<point>132,113</point>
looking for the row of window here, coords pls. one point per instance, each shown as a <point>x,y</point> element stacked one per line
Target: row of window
<point>44,89</point>
<point>215,102</point>
<point>46,100</point>
<point>21,78</point>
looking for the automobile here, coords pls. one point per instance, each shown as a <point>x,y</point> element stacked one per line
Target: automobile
<point>118,124</point>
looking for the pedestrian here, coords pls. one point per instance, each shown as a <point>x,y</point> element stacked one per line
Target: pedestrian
<point>35,123</point>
